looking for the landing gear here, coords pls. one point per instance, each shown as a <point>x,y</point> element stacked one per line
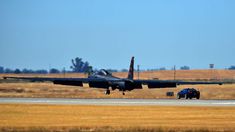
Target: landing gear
<point>123,92</point>
<point>113,87</point>
<point>107,92</point>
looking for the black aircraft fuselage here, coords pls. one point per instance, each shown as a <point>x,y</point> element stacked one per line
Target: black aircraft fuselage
<point>111,81</point>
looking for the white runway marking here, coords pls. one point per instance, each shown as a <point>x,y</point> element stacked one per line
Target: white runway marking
<point>120,102</point>
<point>226,103</point>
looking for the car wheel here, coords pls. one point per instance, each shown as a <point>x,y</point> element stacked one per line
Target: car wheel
<point>198,96</point>
<point>178,96</point>
<point>186,96</point>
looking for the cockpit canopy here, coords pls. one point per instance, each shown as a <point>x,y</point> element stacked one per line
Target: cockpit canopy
<point>103,72</point>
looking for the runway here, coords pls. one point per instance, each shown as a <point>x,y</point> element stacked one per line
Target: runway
<point>118,102</point>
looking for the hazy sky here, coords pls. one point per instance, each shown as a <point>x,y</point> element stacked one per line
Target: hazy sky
<point>39,34</point>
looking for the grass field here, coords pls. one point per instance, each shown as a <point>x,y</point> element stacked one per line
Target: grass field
<point>115,118</point>
<point>50,90</point>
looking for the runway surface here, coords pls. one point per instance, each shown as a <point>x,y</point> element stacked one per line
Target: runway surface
<point>120,102</point>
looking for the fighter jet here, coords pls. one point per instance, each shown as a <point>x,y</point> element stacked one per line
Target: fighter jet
<point>105,80</point>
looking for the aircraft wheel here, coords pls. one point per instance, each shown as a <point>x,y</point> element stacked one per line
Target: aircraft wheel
<point>113,88</point>
<point>107,92</point>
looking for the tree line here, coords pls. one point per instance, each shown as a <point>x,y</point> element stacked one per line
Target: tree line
<point>80,66</point>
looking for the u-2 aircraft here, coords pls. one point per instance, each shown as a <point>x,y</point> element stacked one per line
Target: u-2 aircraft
<point>104,79</point>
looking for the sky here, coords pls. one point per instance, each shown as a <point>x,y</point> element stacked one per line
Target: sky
<point>41,34</point>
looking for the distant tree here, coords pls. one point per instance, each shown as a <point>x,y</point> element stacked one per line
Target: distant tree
<point>17,71</point>
<point>85,67</point>
<point>1,69</point>
<point>155,69</point>
<point>89,70</point>
<point>184,68</point>
<point>79,66</point>
<point>124,70</point>
<point>42,71</point>
<point>53,70</point>
<point>231,68</point>
<point>162,68</point>
<point>27,71</point>
<point>112,70</point>
<point>8,70</point>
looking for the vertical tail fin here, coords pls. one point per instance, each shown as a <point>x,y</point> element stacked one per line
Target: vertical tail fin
<point>131,69</point>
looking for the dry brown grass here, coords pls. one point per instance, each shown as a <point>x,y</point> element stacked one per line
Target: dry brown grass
<point>49,90</point>
<point>67,117</point>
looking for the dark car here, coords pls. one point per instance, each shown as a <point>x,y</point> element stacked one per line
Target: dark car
<point>188,93</point>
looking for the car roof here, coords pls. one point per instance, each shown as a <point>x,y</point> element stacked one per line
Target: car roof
<point>189,89</point>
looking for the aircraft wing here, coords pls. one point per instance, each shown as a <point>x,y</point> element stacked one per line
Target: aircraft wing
<point>170,83</point>
<point>43,79</point>
<point>106,83</point>
<point>197,83</point>
<point>93,82</point>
